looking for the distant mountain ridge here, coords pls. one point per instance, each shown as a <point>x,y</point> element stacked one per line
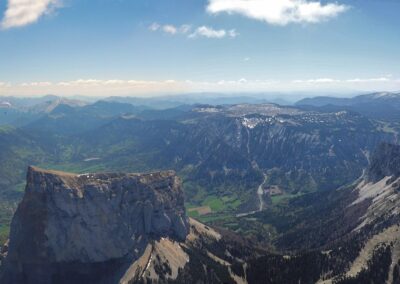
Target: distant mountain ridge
<point>327,100</point>
<point>382,105</point>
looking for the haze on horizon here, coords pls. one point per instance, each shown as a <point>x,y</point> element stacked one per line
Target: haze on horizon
<point>149,47</point>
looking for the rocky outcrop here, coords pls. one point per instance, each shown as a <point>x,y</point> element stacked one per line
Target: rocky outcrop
<point>90,228</point>
<point>385,162</point>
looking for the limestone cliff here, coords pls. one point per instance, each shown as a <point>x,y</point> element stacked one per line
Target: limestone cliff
<point>114,228</point>
<point>90,224</point>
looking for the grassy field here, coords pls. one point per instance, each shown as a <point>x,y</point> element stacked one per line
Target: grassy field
<point>4,231</point>
<point>6,212</point>
<point>283,198</point>
<point>213,208</point>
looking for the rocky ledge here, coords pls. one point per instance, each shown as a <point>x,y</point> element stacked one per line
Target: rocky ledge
<point>90,228</point>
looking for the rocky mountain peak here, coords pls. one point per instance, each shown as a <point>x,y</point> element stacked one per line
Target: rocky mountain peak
<point>92,220</point>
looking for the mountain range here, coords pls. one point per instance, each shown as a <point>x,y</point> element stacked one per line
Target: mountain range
<point>382,105</point>
<point>132,228</point>
<point>305,193</point>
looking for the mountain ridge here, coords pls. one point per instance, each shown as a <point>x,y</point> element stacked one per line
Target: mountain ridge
<point>381,105</point>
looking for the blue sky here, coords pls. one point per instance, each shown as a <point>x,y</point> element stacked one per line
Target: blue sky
<point>144,47</point>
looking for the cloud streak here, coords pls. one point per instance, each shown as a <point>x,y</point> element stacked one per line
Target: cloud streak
<point>202,31</point>
<point>170,29</point>
<point>24,12</point>
<point>332,81</point>
<point>209,32</point>
<point>278,12</point>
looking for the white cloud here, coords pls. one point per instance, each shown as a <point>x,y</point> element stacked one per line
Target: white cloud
<point>184,29</point>
<point>278,12</point>
<point>202,31</point>
<point>4,85</point>
<point>36,84</point>
<point>355,80</point>
<point>317,81</point>
<point>170,29</point>
<point>209,32</point>
<point>24,12</point>
<point>232,33</point>
<point>384,83</point>
<point>154,27</point>
<point>370,80</point>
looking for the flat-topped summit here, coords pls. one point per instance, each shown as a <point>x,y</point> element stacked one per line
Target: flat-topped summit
<point>76,182</point>
<point>92,177</point>
<point>91,219</point>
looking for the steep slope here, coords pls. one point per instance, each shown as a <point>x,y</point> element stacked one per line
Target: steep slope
<point>351,234</point>
<point>379,256</point>
<point>112,228</point>
<point>385,162</point>
<point>17,149</point>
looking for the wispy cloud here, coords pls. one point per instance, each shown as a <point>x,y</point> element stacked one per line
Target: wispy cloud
<point>92,87</point>
<point>24,12</point>
<point>370,80</point>
<point>170,29</point>
<point>209,32</point>
<point>36,84</point>
<point>185,29</point>
<point>316,81</point>
<point>278,12</point>
<point>355,80</point>
<point>154,27</point>
<point>97,87</point>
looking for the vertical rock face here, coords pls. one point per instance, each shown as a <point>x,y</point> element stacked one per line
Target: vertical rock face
<point>384,162</point>
<point>90,227</point>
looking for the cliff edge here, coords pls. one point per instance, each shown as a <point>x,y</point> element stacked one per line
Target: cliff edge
<point>90,227</point>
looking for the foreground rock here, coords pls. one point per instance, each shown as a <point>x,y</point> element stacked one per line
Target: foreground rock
<point>112,228</point>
